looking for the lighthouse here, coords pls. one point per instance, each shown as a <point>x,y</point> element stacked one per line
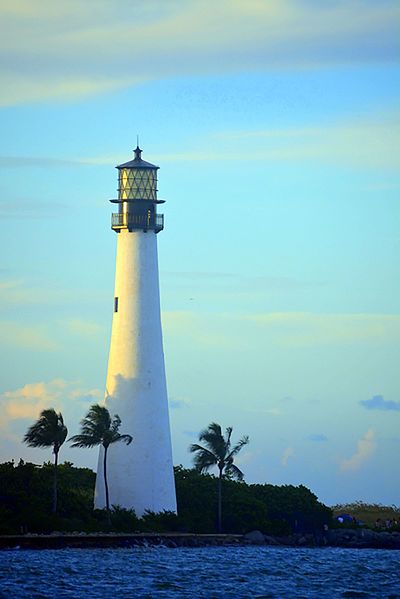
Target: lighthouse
<point>140,475</point>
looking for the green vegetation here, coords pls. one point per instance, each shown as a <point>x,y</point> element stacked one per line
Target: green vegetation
<point>53,497</point>
<point>373,515</point>
<point>26,500</point>
<point>218,452</point>
<point>48,431</point>
<point>97,428</point>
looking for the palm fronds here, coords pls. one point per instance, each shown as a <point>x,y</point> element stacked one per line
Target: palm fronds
<point>97,428</point>
<point>48,431</point>
<point>217,451</point>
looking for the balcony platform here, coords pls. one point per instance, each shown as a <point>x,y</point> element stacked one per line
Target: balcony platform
<point>137,222</point>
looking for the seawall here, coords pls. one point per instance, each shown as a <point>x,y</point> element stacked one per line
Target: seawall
<point>351,538</point>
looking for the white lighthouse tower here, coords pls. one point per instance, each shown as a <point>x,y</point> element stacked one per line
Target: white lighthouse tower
<point>140,475</point>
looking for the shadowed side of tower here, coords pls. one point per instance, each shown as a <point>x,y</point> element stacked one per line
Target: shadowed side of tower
<point>140,475</point>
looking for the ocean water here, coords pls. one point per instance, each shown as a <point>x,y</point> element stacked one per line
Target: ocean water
<point>209,572</point>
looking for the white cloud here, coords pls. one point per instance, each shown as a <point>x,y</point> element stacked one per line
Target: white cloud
<point>287,454</point>
<point>21,407</point>
<point>28,401</point>
<point>370,141</point>
<point>365,448</point>
<point>306,329</point>
<point>44,337</point>
<point>203,330</point>
<point>16,292</point>
<point>19,291</point>
<point>28,337</point>
<point>283,329</point>
<point>85,328</point>
<point>67,50</point>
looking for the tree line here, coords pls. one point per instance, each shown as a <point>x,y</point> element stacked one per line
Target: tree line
<point>97,428</point>
<point>26,501</point>
<point>25,497</point>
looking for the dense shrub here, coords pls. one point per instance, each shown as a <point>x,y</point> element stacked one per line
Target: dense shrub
<point>26,496</point>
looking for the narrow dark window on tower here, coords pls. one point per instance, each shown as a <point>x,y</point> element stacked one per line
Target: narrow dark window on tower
<point>115,304</point>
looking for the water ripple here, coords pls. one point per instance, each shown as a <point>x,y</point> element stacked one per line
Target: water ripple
<point>204,573</point>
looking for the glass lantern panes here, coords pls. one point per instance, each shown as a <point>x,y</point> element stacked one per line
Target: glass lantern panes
<point>137,184</point>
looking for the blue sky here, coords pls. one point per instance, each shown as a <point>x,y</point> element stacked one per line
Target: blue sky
<point>276,127</point>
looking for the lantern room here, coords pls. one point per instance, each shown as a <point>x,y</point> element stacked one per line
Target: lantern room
<point>137,196</point>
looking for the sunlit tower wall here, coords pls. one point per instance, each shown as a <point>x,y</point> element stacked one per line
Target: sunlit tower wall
<point>140,475</point>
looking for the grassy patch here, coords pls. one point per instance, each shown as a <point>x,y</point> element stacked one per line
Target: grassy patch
<point>368,513</point>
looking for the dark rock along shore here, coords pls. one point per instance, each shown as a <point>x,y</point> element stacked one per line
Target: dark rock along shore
<point>352,538</point>
<point>343,537</point>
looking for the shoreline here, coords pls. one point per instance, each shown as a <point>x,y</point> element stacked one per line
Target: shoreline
<point>345,538</point>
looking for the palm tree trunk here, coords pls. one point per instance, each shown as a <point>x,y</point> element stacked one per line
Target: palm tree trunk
<point>220,501</point>
<point>106,485</point>
<point>54,508</point>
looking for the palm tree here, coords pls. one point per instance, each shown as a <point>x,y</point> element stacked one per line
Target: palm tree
<point>97,428</point>
<point>218,452</point>
<point>48,431</point>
